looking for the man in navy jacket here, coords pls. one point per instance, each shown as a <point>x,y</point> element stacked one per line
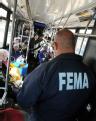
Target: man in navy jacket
<point>57,90</point>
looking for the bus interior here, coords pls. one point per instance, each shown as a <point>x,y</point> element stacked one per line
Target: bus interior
<point>21,20</point>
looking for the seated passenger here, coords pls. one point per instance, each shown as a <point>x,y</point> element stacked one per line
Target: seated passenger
<point>16,48</point>
<point>3,55</point>
<point>57,90</point>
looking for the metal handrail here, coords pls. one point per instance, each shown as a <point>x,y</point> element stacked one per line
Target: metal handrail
<point>85,35</point>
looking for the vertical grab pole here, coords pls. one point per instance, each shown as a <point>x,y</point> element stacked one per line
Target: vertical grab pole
<point>22,32</point>
<point>30,34</point>
<point>10,48</point>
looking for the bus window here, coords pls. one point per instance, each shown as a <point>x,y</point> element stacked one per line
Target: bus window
<point>2,30</point>
<point>9,33</point>
<point>82,31</point>
<point>80,47</point>
<point>3,12</point>
<point>83,46</point>
<point>73,30</point>
<point>5,2</point>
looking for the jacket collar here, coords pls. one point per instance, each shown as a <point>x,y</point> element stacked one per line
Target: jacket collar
<point>71,56</point>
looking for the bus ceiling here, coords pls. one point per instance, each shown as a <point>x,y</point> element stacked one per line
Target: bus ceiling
<point>62,13</point>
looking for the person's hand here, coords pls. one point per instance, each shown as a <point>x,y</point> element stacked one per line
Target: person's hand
<point>16,86</point>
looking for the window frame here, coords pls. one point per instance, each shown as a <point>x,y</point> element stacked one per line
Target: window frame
<point>7,19</point>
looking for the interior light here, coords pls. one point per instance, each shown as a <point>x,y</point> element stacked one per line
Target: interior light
<point>56,11</point>
<point>47,3</point>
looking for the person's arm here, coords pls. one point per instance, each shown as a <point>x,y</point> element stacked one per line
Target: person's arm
<point>32,88</point>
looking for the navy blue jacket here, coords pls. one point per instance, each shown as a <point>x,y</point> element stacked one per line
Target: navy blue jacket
<point>58,89</point>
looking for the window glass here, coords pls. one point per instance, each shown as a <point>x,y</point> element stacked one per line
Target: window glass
<point>72,30</point>
<point>2,30</point>
<point>11,17</point>
<point>89,31</point>
<point>9,33</point>
<point>5,2</point>
<point>82,31</point>
<point>83,46</point>
<point>3,12</point>
<point>78,45</point>
<point>78,49</point>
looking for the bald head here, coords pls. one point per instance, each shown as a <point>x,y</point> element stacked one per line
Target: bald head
<point>64,42</point>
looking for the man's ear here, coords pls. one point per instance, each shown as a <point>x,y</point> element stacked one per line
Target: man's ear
<point>55,45</point>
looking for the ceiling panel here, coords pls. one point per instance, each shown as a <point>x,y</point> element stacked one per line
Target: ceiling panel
<point>21,7</point>
<point>51,11</point>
